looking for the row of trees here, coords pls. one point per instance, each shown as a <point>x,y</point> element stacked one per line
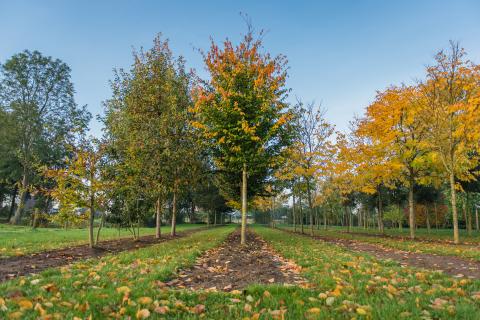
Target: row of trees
<point>170,138</point>
<point>415,143</point>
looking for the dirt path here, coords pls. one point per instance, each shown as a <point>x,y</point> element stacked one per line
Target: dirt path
<point>233,267</point>
<point>18,266</point>
<point>454,266</point>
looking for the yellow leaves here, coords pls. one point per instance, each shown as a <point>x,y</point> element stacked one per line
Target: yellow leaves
<point>15,315</point>
<point>144,300</point>
<point>39,309</point>
<point>25,304</point>
<point>392,290</point>
<point>361,311</point>
<point>329,301</point>
<point>162,309</point>
<point>314,310</point>
<point>123,289</point>
<point>338,291</point>
<point>143,314</point>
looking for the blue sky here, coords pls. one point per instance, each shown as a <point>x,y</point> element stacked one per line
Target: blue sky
<point>339,52</point>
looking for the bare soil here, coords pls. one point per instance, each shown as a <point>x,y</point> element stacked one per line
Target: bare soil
<point>29,264</point>
<point>232,266</point>
<point>451,265</point>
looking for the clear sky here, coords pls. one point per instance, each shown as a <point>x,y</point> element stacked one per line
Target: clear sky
<point>339,52</point>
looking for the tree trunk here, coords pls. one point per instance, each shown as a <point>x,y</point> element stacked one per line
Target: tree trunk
<point>411,210</point>
<point>324,219</point>
<point>310,205</point>
<point>91,222</point>
<point>436,214</point>
<point>158,219</point>
<point>301,212</point>
<point>243,234</point>
<point>35,218</point>
<point>469,216</point>
<point>23,197</point>
<point>12,203</point>
<point>102,222</point>
<point>428,218</point>
<point>477,226</point>
<point>174,213</point>
<point>294,216</point>
<point>380,212</point>
<point>215,218</point>
<point>453,200</point>
<point>345,210</point>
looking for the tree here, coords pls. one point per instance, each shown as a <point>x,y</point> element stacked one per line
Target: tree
<point>147,120</point>
<point>451,110</point>
<point>38,94</point>
<point>312,147</point>
<point>394,125</point>
<point>241,110</point>
<point>81,184</point>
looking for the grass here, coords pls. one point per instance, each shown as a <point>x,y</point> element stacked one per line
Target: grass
<point>20,240</point>
<point>356,285</point>
<point>420,233</point>
<point>440,248</point>
<point>345,285</point>
<point>110,286</point>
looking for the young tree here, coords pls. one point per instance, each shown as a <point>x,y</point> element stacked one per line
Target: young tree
<point>241,110</point>
<point>312,148</point>
<point>148,123</point>
<point>452,113</point>
<point>394,126</point>
<point>81,185</point>
<point>38,94</point>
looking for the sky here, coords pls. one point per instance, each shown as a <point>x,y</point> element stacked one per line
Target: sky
<point>340,52</point>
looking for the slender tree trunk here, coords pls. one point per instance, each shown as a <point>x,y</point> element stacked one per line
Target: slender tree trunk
<point>294,215</point>
<point>215,218</point>
<point>174,213</point>
<point>158,219</point>
<point>243,235</point>
<point>428,218</point>
<point>453,200</point>
<point>324,219</point>
<point>23,197</point>
<point>345,210</point>
<point>301,212</point>
<point>380,212</point>
<point>91,239</point>
<point>411,210</point>
<point>35,218</point>
<point>477,226</point>
<point>436,214</point>
<point>469,216</point>
<point>102,222</point>
<point>12,203</point>
<point>310,205</point>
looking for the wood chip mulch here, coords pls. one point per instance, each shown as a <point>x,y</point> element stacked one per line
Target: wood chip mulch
<point>232,266</point>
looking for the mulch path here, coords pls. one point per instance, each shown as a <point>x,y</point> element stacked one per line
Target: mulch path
<point>29,264</point>
<point>451,265</point>
<point>233,267</point>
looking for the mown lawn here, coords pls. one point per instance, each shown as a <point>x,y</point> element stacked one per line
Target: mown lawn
<point>464,251</point>
<point>20,240</point>
<point>352,285</point>
<point>115,285</point>
<point>346,285</point>
<point>420,233</point>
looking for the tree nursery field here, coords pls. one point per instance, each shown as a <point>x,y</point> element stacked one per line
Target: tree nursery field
<point>325,167</point>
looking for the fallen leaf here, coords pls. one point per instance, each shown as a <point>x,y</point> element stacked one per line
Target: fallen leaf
<point>143,314</point>
<point>144,300</point>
